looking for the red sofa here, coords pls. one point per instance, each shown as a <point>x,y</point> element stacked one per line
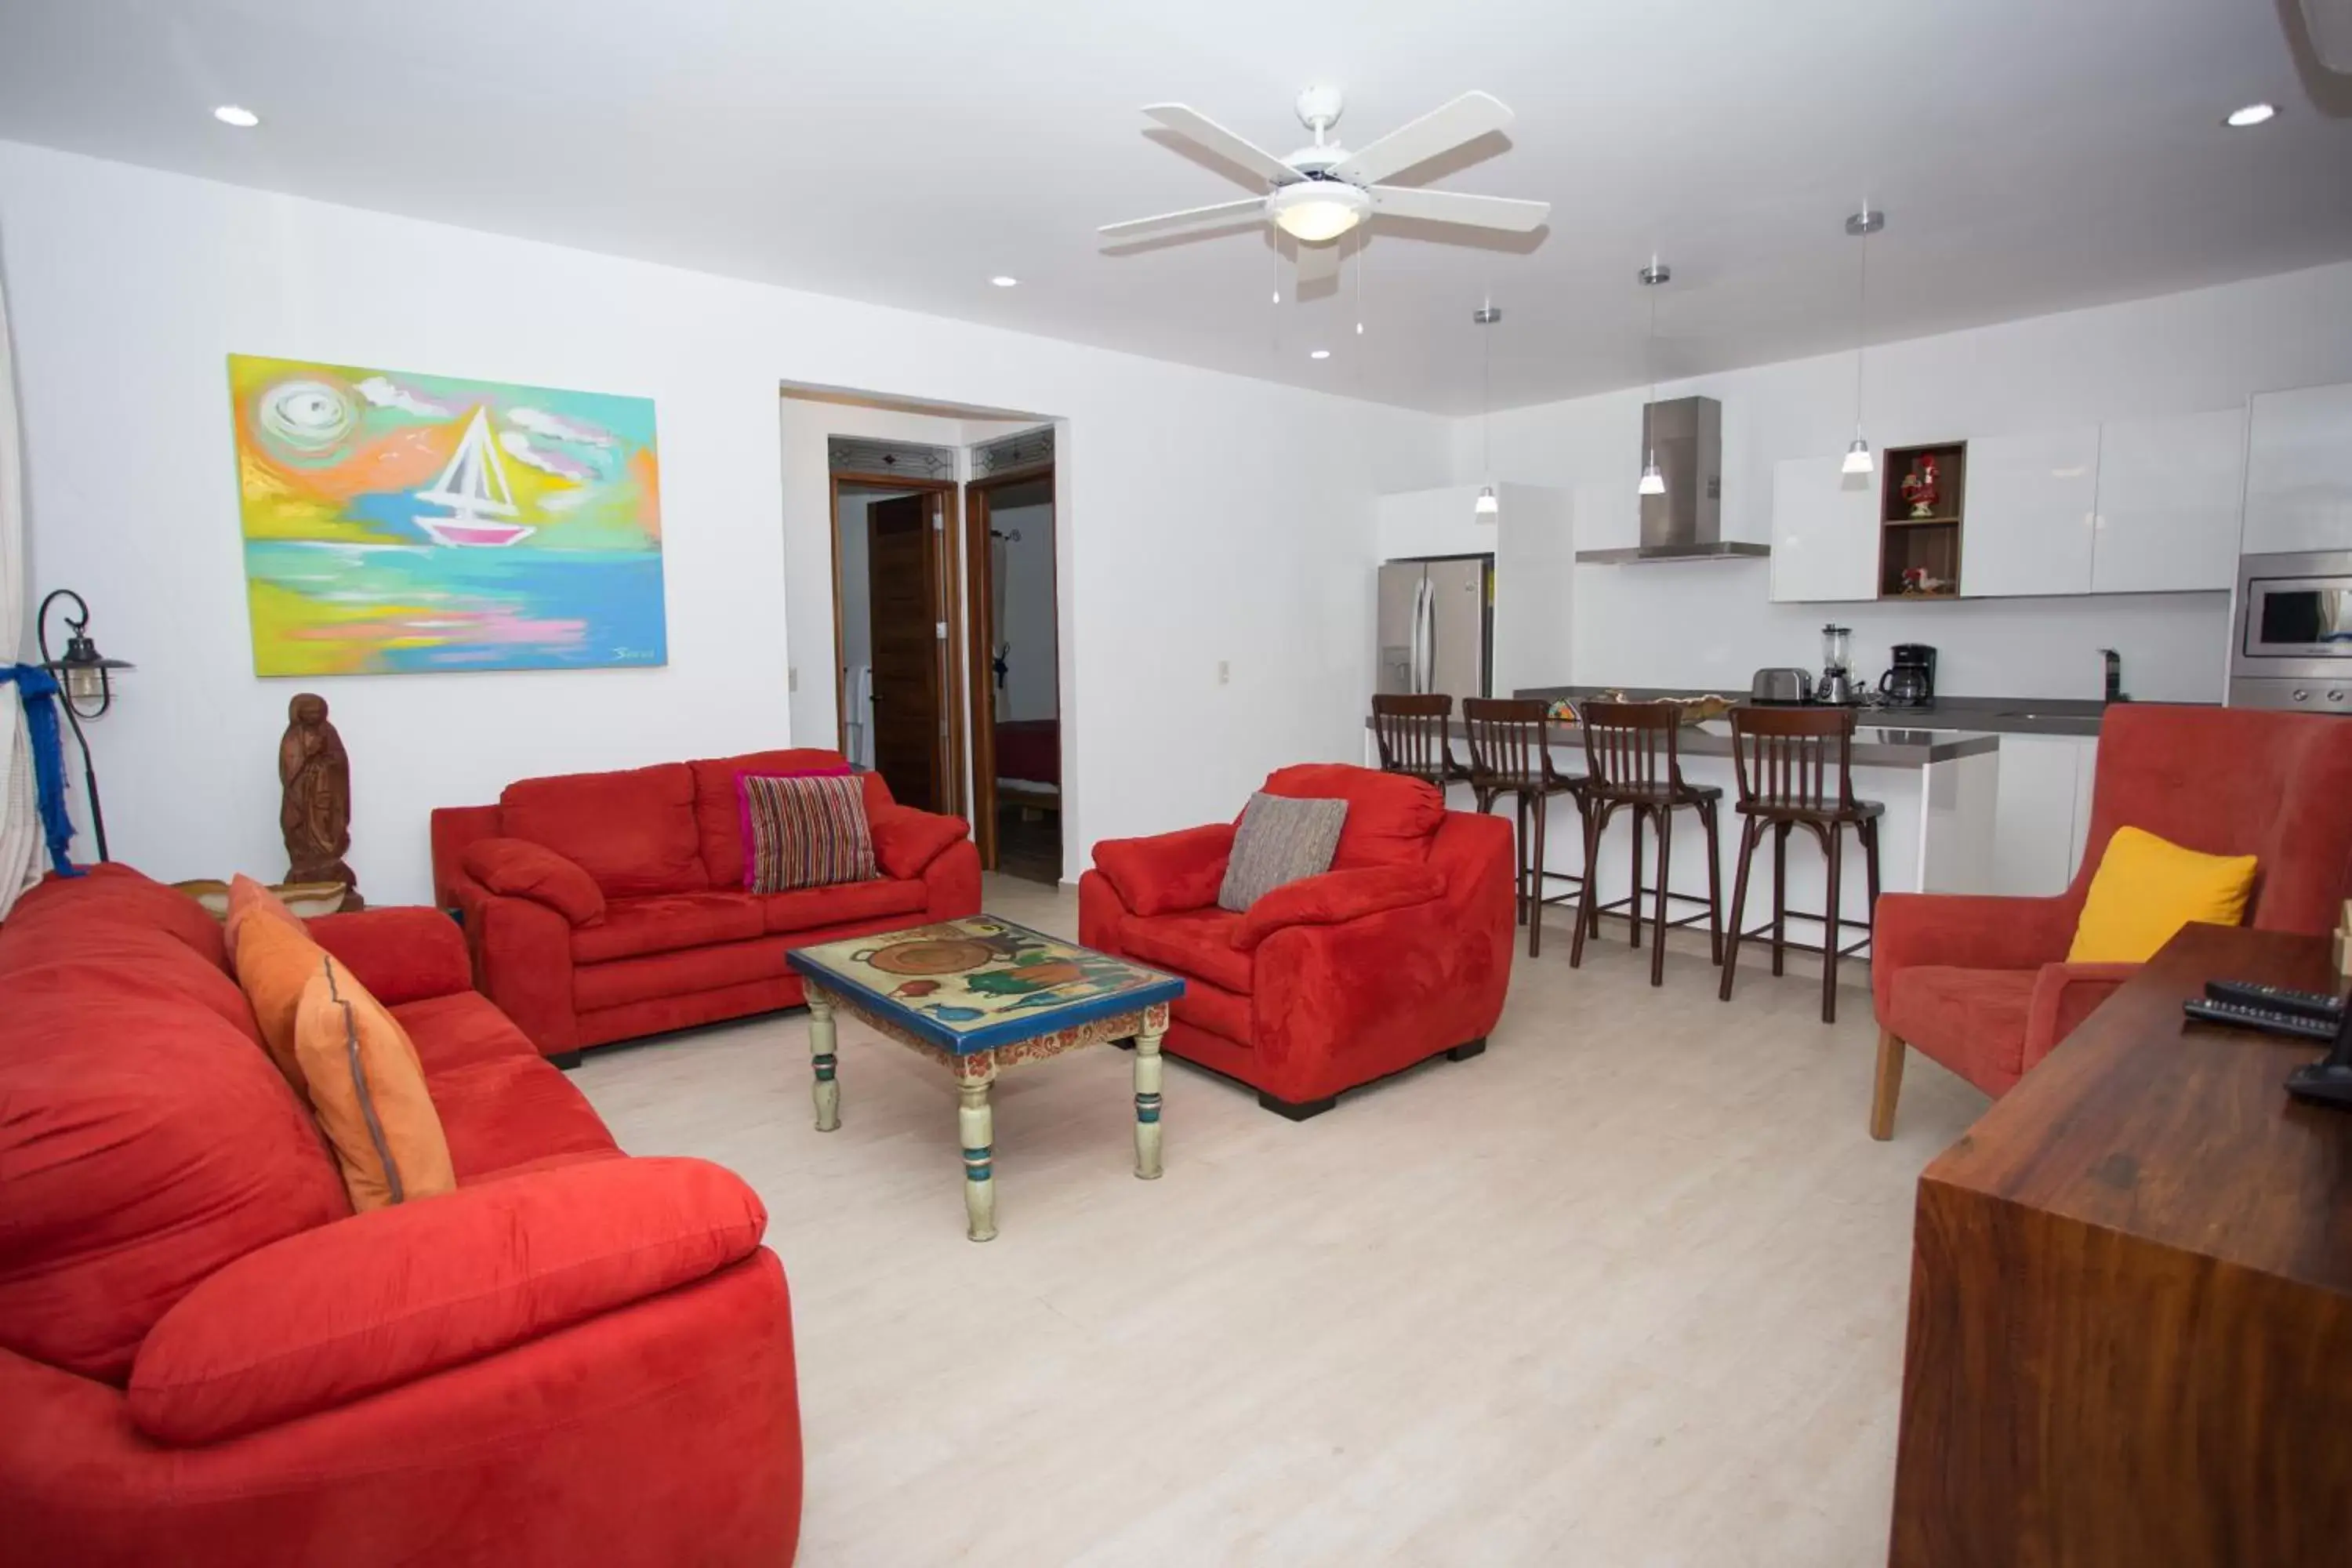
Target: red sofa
<point>207,1359</point>
<point>1400,950</point>
<point>623,911</point>
<point>1982,983</point>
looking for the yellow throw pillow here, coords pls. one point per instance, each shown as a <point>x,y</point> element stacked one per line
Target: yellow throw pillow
<point>2146,888</point>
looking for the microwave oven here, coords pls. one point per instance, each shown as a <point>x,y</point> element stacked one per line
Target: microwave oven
<point>2291,645</point>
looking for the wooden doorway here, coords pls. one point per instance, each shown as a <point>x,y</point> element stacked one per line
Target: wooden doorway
<point>914,656</point>
<point>1014,695</point>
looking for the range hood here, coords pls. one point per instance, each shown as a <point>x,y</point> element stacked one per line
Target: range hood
<point>1687,522</point>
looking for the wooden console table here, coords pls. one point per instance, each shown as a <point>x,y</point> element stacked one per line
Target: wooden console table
<point>2131,1299</point>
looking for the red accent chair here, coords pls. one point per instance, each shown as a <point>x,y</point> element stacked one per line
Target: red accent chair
<point>1402,950</point>
<point>1982,983</point>
<point>602,907</point>
<point>207,1359</point>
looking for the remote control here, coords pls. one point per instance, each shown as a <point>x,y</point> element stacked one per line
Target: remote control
<point>2277,998</point>
<point>2270,1021</point>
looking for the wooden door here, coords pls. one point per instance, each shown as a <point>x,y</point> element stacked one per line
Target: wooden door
<point>902,585</point>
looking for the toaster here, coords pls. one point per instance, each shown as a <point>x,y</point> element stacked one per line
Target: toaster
<point>1781,686</point>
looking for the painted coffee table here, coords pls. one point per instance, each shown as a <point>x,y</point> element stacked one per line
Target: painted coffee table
<point>980,995</point>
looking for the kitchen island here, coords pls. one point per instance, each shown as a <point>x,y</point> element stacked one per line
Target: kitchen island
<point>1938,786</point>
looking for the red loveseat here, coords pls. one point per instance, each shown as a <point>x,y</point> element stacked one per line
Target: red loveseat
<point>1982,983</point>
<point>1400,950</point>
<point>602,907</point>
<point>207,1359</point>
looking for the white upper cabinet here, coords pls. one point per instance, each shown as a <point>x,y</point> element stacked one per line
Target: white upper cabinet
<point>1824,531</point>
<point>2167,511</point>
<point>2299,471</point>
<point>2027,513</point>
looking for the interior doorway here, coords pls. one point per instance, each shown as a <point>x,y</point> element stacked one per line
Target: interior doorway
<point>1015,690</point>
<point>894,664</point>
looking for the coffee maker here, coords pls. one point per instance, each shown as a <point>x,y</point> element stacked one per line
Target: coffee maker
<point>1910,681</point>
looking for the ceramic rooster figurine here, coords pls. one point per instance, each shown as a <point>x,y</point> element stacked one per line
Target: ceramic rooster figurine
<point>1919,486</point>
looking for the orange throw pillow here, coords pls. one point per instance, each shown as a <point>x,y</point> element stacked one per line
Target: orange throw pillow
<point>274,960</point>
<point>367,1090</point>
<point>249,899</point>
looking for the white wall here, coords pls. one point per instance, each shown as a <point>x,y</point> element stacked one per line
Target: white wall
<point>1202,514</point>
<point>1708,625</point>
<point>1028,619</point>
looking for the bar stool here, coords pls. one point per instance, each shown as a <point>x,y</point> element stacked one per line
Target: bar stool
<point>1510,754</point>
<point>1785,758</point>
<point>1632,754</point>
<point>1412,735</point>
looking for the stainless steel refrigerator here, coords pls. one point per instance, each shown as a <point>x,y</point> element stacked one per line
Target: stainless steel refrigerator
<point>1436,624</point>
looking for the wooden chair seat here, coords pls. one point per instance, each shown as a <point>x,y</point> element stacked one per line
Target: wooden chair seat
<point>1632,753</point>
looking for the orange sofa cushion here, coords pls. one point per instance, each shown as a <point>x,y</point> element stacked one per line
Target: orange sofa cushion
<point>367,1090</point>
<point>275,961</point>
<point>633,832</point>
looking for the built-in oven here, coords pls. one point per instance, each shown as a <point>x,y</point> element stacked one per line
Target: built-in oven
<point>2293,633</point>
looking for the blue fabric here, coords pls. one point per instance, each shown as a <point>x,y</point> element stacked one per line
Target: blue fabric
<point>37,689</point>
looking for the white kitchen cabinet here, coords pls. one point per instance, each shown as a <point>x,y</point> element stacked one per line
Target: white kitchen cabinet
<point>1824,531</point>
<point>2040,812</point>
<point>2027,513</point>
<point>2299,471</point>
<point>2167,507</point>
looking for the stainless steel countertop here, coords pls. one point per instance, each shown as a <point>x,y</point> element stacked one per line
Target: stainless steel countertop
<point>1874,745</point>
<point>1998,715</point>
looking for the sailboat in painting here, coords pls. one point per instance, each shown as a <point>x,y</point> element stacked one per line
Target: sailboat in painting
<point>474,487</point>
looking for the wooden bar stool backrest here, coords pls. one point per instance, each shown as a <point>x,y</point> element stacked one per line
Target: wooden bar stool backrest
<point>1508,750</point>
<point>1799,758</point>
<point>1632,747</point>
<point>1411,734</point>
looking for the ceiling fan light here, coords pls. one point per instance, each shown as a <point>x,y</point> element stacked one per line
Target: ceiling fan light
<point>1318,210</point>
<point>1857,458</point>
<point>1487,505</point>
<point>1653,482</point>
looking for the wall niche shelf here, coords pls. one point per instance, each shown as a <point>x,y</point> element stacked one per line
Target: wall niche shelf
<point>1920,556</point>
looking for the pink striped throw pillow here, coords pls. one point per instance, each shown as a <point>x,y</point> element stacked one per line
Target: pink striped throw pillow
<point>804,831</point>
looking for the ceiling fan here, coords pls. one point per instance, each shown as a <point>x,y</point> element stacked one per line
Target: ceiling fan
<point>1319,193</point>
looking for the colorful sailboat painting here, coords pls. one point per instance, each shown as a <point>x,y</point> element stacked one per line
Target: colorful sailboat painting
<point>397,522</point>
<point>474,487</point>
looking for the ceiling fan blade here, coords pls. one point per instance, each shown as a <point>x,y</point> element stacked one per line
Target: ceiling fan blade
<point>1442,129</point>
<point>1317,263</point>
<point>1199,127</point>
<point>1453,207</point>
<point>1248,206</point>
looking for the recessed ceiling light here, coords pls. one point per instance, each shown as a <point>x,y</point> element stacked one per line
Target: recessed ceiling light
<point>1319,354</point>
<point>1001,281</point>
<point>2253,114</point>
<point>237,115</point>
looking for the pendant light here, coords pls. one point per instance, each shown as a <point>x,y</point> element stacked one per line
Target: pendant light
<point>1862,225</point>
<point>1654,482</point>
<point>1487,315</point>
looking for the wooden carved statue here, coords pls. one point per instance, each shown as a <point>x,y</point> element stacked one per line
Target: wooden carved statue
<point>315,812</point>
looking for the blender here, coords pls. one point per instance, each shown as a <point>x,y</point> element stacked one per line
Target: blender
<point>1837,661</point>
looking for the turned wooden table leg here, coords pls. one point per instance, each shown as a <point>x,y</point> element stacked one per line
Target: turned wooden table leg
<point>1147,1066</point>
<point>977,1125</point>
<point>827,1088</point>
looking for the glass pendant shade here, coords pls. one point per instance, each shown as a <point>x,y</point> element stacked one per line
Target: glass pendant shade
<point>1857,458</point>
<point>1487,505</point>
<point>1653,483</point>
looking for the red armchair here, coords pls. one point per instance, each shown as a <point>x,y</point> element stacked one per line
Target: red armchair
<point>207,1359</point>
<point>1981,985</point>
<point>1402,951</point>
<point>602,907</point>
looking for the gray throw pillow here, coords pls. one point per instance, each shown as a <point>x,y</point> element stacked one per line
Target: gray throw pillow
<point>1280,840</point>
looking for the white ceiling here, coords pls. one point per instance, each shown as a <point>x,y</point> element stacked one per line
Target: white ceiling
<point>2034,155</point>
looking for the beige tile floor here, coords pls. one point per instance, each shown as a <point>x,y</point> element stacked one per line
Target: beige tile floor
<point>1627,1290</point>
